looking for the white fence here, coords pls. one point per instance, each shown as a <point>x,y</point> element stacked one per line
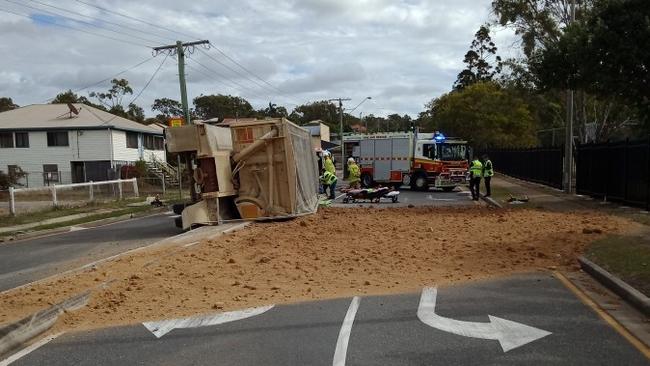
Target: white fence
<point>113,189</point>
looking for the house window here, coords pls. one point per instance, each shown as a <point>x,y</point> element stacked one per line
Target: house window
<point>50,172</point>
<point>6,140</point>
<point>22,139</point>
<point>132,140</point>
<point>148,142</point>
<point>57,138</point>
<point>158,143</point>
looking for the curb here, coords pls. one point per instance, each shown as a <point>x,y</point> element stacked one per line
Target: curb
<point>625,291</point>
<point>16,334</point>
<point>491,202</point>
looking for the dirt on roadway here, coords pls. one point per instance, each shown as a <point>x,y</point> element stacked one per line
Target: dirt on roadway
<point>335,253</point>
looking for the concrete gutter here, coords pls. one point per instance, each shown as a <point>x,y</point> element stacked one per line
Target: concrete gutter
<point>16,334</point>
<point>625,291</point>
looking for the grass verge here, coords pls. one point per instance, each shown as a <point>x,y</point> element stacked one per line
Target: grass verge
<point>627,257</point>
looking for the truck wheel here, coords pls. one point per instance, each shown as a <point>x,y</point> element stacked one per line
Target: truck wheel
<point>366,180</point>
<point>178,221</point>
<point>448,189</point>
<point>419,183</point>
<point>178,208</point>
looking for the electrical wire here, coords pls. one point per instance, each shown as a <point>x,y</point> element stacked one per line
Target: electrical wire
<point>150,79</point>
<point>73,28</point>
<point>81,21</point>
<point>221,81</point>
<point>190,36</point>
<point>111,77</point>
<point>101,20</point>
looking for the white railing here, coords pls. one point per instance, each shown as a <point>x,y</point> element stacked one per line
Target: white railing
<point>53,190</point>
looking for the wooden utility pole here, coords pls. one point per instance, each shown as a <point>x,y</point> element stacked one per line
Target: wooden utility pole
<point>179,49</point>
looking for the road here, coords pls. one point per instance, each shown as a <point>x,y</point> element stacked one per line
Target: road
<point>25,261</point>
<point>407,197</point>
<point>552,327</point>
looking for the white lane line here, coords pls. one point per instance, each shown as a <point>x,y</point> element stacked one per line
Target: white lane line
<point>344,334</point>
<point>510,334</point>
<point>160,328</point>
<point>25,351</point>
<point>190,244</point>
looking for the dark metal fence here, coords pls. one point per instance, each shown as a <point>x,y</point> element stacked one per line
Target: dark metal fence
<point>540,164</point>
<point>618,171</point>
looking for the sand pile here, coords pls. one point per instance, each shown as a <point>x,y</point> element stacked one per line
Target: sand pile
<point>336,253</point>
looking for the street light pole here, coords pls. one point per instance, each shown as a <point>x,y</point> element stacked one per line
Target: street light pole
<point>568,143</point>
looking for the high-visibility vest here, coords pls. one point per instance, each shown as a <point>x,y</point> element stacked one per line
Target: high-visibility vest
<point>354,174</point>
<point>488,171</point>
<point>476,169</point>
<point>328,178</point>
<point>329,165</point>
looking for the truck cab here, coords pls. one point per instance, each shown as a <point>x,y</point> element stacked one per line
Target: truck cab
<point>438,161</point>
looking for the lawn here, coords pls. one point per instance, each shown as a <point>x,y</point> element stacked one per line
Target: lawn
<point>627,257</point>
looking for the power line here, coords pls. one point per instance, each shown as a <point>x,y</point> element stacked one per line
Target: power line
<point>80,21</point>
<point>111,77</point>
<point>186,35</point>
<point>150,79</point>
<point>101,20</point>
<point>73,28</point>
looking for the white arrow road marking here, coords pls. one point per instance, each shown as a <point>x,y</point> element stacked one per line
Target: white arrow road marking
<point>509,334</point>
<point>344,334</point>
<point>160,328</point>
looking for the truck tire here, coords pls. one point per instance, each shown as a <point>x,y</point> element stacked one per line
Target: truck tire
<point>419,183</point>
<point>366,180</point>
<point>178,208</point>
<point>178,221</point>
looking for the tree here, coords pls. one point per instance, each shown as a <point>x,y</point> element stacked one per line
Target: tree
<point>113,97</point>
<point>6,104</point>
<point>603,56</point>
<point>70,97</point>
<point>478,59</point>
<point>222,106</point>
<point>486,115</point>
<point>273,111</point>
<point>135,113</point>
<point>167,108</point>
<point>322,110</point>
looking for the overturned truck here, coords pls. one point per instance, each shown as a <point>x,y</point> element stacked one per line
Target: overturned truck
<point>251,170</point>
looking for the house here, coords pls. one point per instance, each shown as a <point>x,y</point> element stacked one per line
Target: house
<point>320,134</point>
<point>72,143</point>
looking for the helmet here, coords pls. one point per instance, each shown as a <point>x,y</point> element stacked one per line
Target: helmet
<point>326,153</point>
<point>350,160</point>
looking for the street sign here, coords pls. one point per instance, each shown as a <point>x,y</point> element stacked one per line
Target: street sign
<point>176,121</point>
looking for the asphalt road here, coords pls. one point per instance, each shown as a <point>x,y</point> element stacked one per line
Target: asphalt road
<point>384,331</point>
<point>407,197</point>
<point>25,261</point>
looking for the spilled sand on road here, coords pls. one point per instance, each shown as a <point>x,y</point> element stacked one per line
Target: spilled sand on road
<point>335,253</point>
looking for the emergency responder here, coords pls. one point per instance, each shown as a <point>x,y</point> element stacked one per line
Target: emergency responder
<point>475,172</point>
<point>328,164</point>
<point>328,180</point>
<point>354,174</point>
<point>488,172</point>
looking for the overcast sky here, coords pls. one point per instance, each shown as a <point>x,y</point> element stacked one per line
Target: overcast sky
<point>401,53</point>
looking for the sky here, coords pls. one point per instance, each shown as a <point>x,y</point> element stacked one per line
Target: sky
<point>401,53</point>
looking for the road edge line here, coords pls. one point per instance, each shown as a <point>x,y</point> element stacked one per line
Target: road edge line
<point>637,343</point>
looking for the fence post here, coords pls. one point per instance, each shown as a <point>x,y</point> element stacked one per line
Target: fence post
<point>91,191</point>
<point>12,201</point>
<point>135,187</point>
<point>55,202</point>
<point>119,187</point>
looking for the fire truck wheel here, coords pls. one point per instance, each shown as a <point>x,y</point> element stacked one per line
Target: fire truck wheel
<point>366,180</point>
<point>420,183</point>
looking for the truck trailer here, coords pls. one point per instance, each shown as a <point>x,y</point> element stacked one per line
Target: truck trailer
<point>418,160</point>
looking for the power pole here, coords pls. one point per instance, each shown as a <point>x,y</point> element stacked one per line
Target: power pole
<point>568,143</point>
<point>179,50</point>
<point>341,100</point>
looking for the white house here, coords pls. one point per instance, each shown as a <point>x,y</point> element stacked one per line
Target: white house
<point>60,143</point>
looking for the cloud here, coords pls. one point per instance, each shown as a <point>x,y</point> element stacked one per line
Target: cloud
<point>400,52</point>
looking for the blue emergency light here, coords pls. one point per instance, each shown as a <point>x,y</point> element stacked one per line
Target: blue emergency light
<point>439,137</point>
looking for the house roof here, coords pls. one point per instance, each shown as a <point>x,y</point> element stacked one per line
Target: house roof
<point>58,116</point>
<point>313,130</point>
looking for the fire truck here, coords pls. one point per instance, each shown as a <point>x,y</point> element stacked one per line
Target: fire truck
<point>419,160</point>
